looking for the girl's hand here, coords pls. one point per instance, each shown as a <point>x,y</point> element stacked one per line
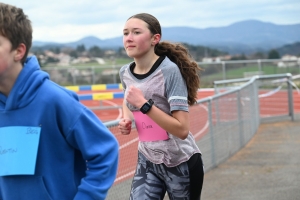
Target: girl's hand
<point>135,97</point>
<point>125,126</point>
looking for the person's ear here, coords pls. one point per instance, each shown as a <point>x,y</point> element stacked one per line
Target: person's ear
<point>20,52</point>
<point>156,39</point>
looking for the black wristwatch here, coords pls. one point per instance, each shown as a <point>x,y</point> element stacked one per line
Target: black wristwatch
<point>147,106</point>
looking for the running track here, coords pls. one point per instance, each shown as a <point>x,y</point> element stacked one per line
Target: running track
<point>270,105</point>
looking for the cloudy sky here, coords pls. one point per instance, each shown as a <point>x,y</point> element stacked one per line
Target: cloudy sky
<point>67,21</point>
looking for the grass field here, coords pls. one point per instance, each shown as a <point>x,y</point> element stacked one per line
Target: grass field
<point>108,63</point>
<point>233,72</point>
<point>108,72</point>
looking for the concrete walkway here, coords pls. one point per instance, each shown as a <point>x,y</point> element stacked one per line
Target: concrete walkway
<point>267,168</point>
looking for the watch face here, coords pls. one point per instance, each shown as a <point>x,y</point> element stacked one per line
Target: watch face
<point>146,107</point>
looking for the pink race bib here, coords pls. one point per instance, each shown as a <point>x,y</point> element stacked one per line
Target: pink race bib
<point>147,129</point>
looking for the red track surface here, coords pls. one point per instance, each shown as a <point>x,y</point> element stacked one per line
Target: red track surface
<point>275,104</point>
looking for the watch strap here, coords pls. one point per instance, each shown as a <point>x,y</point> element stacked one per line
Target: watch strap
<point>147,106</point>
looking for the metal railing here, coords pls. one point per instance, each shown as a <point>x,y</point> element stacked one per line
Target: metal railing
<point>223,70</point>
<point>221,124</point>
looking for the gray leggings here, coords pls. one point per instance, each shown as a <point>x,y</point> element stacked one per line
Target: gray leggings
<point>152,181</point>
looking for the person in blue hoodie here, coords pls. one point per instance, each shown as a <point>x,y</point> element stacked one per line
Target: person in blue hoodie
<point>51,145</point>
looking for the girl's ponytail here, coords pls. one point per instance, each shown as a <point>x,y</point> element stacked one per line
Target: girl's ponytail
<point>189,69</point>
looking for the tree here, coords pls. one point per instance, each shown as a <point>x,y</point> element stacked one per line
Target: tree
<point>273,54</point>
<point>52,60</point>
<point>56,50</point>
<point>80,48</point>
<point>239,57</point>
<point>199,52</point>
<point>73,54</point>
<point>258,55</point>
<point>95,51</point>
<point>121,53</point>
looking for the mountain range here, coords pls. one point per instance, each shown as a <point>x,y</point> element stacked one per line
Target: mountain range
<point>242,37</point>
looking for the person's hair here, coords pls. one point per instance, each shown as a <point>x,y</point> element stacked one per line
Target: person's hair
<point>16,27</point>
<point>178,54</point>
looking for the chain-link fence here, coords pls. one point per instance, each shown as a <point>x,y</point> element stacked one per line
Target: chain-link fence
<point>81,75</point>
<point>226,70</point>
<point>221,124</point>
<point>212,71</point>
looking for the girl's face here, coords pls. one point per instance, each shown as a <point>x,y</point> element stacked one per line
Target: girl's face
<point>137,38</point>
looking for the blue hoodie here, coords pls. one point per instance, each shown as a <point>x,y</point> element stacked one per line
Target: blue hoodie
<point>77,155</point>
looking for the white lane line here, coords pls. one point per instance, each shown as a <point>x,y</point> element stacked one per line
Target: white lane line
<point>206,124</point>
<point>124,176</point>
<point>116,105</point>
<point>128,143</point>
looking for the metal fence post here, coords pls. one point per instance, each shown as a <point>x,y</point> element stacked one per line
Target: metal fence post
<point>224,70</point>
<point>114,75</point>
<point>290,97</point>
<point>259,65</point>
<point>240,118</point>
<point>256,102</point>
<point>93,74</point>
<point>73,76</point>
<point>211,132</point>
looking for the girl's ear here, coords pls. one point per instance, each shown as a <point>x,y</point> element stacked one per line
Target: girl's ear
<point>20,52</point>
<point>156,39</point>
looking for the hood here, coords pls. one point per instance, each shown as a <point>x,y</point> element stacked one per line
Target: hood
<point>26,86</point>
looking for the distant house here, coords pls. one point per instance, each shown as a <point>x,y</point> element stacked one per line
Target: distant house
<point>288,61</point>
<point>207,60</point>
<point>64,59</point>
<point>99,60</point>
<point>216,59</point>
<point>289,58</point>
<point>82,59</point>
<point>110,53</point>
